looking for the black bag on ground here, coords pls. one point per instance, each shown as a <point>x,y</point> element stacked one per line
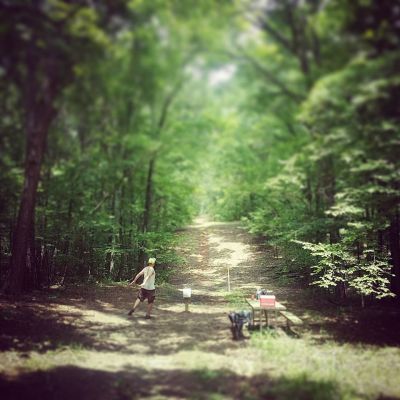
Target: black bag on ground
<point>238,319</point>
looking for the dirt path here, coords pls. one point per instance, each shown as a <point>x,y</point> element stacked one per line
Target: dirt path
<point>81,344</point>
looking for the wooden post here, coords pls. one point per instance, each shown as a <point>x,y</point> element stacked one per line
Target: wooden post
<point>229,280</point>
<point>186,301</point>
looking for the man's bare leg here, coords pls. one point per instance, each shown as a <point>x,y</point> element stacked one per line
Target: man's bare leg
<point>149,308</point>
<point>135,306</point>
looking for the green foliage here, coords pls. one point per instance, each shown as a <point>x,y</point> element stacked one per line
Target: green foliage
<point>328,179</point>
<point>99,213</point>
<point>236,299</point>
<point>337,266</point>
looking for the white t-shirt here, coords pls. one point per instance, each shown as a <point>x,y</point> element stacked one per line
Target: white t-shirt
<point>151,274</point>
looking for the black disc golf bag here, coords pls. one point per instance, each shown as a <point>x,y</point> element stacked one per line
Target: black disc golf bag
<point>238,319</point>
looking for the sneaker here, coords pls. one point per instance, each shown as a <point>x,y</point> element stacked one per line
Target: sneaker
<point>131,312</point>
<point>148,316</point>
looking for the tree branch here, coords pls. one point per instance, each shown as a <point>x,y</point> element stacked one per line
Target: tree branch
<point>173,93</point>
<point>263,24</point>
<point>269,75</point>
<point>167,103</point>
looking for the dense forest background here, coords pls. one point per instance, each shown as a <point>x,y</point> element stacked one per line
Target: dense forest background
<point>122,120</point>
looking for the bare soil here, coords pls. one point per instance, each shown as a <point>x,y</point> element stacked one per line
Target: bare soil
<point>80,343</point>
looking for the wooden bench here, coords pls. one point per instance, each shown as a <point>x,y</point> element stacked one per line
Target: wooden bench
<point>291,319</point>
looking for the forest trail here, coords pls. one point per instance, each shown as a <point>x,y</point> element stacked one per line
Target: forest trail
<point>80,343</point>
<point>85,340</point>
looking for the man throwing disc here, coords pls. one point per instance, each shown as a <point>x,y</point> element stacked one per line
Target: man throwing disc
<point>147,289</point>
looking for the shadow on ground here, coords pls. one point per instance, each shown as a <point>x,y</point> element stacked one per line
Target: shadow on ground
<point>99,322</point>
<point>70,382</point>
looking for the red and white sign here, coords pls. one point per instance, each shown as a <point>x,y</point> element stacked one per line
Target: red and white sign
<point>267,301</point>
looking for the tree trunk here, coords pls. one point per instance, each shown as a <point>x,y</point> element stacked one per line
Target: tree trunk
<point>149,196</point>
<point>297,25</point>
<point>39,115</point>
<point>66,243</point>
<point>147,208</point>
<point>394,242</point>
<point>308,192</point>
<point>121,232</point>
<point>112,235</point>
<point>326,190</point>
<point>31,277</point>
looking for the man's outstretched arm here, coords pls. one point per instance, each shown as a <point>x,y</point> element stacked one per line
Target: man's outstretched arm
<point>137,277</point>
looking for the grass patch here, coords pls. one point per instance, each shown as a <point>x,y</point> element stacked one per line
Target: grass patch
<point>35,363</point>
<point>235,298</point>
<point>302,388</point>
<point>65,354</point>
<point>206,375</point>
<point>330,370</point>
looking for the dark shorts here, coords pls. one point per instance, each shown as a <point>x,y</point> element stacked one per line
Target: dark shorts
<point>144,294</point>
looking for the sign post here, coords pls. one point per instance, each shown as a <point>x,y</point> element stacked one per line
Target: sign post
<point>187,294</point>
<point>229,280</point>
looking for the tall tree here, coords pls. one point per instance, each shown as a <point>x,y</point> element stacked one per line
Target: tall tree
<point>42,42</point>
